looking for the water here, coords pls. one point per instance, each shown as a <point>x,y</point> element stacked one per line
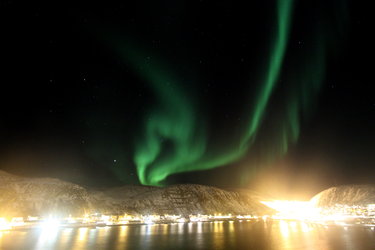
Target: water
<point>200,235</point>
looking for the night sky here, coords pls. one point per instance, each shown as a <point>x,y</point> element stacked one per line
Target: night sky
<point>276,96</point>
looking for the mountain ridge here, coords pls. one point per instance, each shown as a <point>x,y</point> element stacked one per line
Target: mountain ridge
<point>345,195</point>
<point>22,196</point>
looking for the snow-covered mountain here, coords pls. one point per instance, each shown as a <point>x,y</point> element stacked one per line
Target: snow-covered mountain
<point>41,196</point>
<point>345,195</point>
<point>28,196</point>
<point>195,199</point>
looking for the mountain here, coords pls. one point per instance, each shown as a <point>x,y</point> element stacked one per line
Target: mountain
<point>195,199</point>
<point>345,195</point>
<point>21,196</point>
<point>39,196</point>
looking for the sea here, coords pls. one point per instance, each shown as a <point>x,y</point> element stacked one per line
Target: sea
<point>260,234</point>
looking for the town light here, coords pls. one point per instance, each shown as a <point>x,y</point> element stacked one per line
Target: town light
<point>4,225</point>
<point>293,209</point>
<point>50,224</point>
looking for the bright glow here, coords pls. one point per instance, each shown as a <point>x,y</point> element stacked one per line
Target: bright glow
<point>219,216</point>
<point>293,209</point>
<point>246,217</point>
<point>103,219</point>
<point>341,215</point>
<point>148,220</point>
<point>305,227</point>
<point>72,221</point>
<point>284,229</point>
<point>51,224</point>
<point>32,218</point>
<point>4,224</point>
<point>181,220</point>
<point>17,222</point>
<point>49,230</point>
<point>82,234</point>
<point>194,219</point>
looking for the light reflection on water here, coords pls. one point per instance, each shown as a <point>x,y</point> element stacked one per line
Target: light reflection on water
<point>200,235</point>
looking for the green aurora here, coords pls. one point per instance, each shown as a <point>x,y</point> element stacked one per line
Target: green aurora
<point>174,119</point>
<point>173,139</point>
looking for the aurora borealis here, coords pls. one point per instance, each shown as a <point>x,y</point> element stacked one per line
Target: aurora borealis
<point>174,118</point>
<point>165,92</point>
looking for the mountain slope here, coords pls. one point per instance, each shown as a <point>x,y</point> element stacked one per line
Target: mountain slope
<point>43,196</point>
<point>27,196</point>
<point>345,195</point>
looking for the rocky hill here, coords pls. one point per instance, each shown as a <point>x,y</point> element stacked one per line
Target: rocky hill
<point>345,195</point>
<point>194,199</point>
<point>28,196</point>
<point>41,196</point>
